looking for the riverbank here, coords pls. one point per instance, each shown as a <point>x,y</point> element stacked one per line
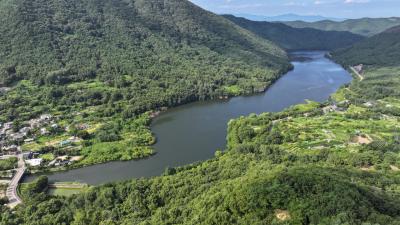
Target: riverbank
<point>199,129</point>
<point>307,152</point>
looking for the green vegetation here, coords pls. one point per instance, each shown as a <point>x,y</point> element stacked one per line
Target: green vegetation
<point>33,190</point>
<point>311,164</point>
<point>66,189</point>
<point>8,164</point>
<point>99,67</point>
<point>298,38</point>
<point>331,163</point>
<point>380,50</point>
<point>3,198</point>
<point>364,26</point>
<point>66,192</point>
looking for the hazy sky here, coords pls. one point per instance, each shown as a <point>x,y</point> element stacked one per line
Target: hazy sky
<point>328,8</point>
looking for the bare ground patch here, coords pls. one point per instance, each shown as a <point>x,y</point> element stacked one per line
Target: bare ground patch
<point>362,139</point>
<point>394,168</point>
<point>282,215</point>
<point>367,168</point>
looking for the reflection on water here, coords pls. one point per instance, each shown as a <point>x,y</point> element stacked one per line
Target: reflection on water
<point>195,131</point>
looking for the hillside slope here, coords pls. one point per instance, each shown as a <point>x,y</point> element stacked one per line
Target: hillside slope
<point>146,48</point>
<point>102,68</point>
<point>363,26</point>
<point>298,38</point>
<point>382,50</point>
<point>331,163</point>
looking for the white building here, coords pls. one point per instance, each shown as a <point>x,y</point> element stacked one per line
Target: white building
<point>34,162</point>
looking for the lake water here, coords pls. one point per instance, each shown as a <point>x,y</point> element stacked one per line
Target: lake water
<point>194,132</point>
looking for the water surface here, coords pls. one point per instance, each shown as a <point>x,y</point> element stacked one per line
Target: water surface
<point>194,132</point>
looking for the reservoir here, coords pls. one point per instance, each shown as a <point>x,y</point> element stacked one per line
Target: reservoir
<point>193,132</point>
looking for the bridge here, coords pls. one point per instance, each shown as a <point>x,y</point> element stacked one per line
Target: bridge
<point>12,190</point>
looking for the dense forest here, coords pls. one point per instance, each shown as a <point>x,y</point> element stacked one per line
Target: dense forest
<point>381,50</point>
<point>300,166</point>
<point>138,54</point>
<point>363,26</point>
<point>298,38</point>
<point>332,163</point>
<point>98,65</point>
<point>96,68</point>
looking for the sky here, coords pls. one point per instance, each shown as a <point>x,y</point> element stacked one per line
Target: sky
<point>328,8</point>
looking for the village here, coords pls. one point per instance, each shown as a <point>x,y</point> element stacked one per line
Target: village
<point>22,140</point>
<point>35,145</point>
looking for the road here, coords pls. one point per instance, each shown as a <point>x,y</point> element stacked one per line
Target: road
<point>12,193</point>
<point>357,73</point>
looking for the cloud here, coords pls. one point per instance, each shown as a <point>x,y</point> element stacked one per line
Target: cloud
<point>292,3</point>
<point>355,1</point>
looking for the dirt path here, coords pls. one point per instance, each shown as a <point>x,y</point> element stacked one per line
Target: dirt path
<point>357,73</point>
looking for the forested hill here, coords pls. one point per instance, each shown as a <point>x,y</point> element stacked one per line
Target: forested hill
<point>298,38</point>
<point>79,39</point>
<point>311,164</point>
<point>382,50</point>
<point>363,26</point>
<point>158,53</point>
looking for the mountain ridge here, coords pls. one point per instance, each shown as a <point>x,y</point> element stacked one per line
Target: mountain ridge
<point>363,26</point>
<point>287,17</point>
<point>297,38</point>
<point>380,50</point>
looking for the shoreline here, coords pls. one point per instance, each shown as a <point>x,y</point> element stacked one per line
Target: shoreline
<point>142,167</point>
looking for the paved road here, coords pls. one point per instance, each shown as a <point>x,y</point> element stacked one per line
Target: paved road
<point>12,193</point>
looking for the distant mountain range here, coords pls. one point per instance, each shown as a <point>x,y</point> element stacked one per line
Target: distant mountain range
<point>297,38</point>
<point>362,26</point>
<point>288,17</point>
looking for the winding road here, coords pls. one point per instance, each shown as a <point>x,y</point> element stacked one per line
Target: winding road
<point>12,193</point>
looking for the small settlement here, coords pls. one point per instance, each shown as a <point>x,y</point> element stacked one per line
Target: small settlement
<point>41,142</point>
<point>25,138</point>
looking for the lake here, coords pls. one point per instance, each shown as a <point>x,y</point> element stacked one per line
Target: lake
<point>193,132</point>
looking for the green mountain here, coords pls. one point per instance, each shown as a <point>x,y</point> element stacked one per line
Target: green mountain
<point>364,26</point>
<point>297,38</point>
<point>112,64</point>
<point>382,50</point>
<point>158,53</point>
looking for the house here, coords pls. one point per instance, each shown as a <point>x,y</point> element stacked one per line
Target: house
<point>34,162</point>
<point>65,143</point>
<point>34,123</point>
<point>44,131</point>
<point>368,104</point>
<point>17,136</point>
<point>11,150</point>
<point>7,126</point>
<point>45,117</point>
<point>25,130</point>
<point>28,140</point>
<point>359,68</point>
<point>54,126</point>
<point>330,108</point>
